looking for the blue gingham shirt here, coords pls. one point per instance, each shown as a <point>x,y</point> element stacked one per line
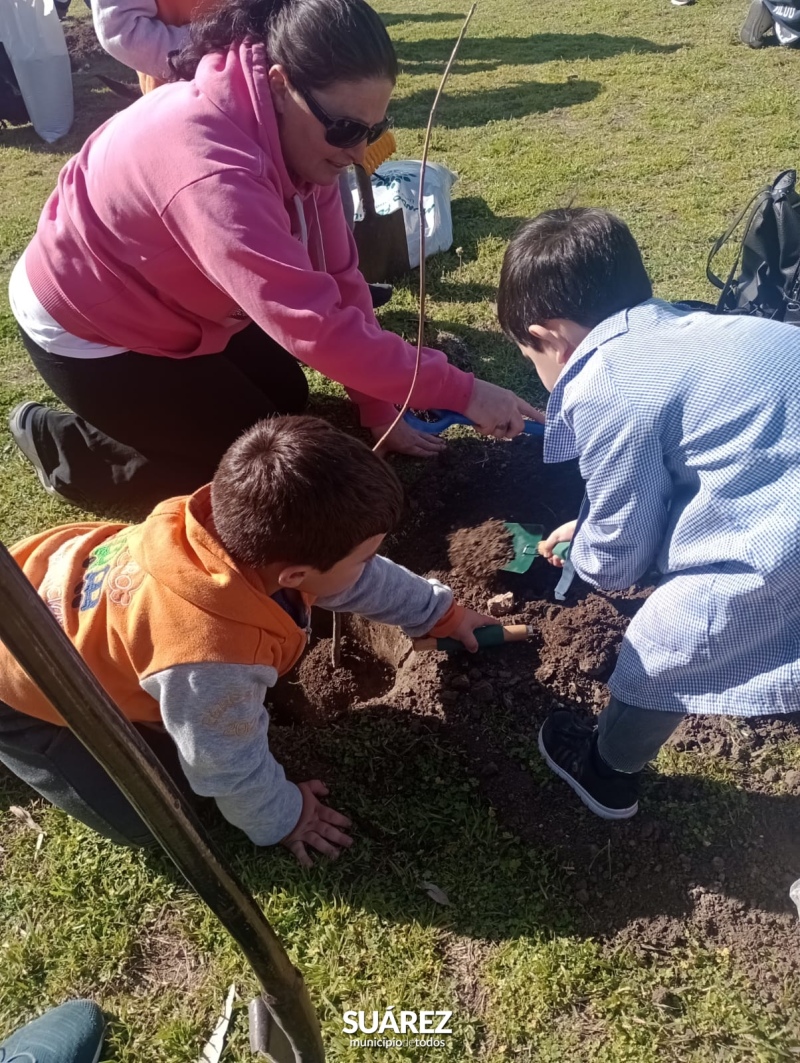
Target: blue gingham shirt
<point>687,428</point>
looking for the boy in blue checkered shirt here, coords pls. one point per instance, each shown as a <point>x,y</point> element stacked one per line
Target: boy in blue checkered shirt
<point>687,429</point>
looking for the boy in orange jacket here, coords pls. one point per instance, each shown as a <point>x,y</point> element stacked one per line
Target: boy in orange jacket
<point>190,617</point>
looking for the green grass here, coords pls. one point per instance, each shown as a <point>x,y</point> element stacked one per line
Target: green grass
<point>659,114</point>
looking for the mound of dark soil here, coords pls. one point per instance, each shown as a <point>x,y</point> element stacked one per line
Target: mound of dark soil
<point>82,43</point>
<point>705,861</point>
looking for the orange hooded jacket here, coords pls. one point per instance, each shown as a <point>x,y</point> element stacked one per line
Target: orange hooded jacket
<point>136,599</point>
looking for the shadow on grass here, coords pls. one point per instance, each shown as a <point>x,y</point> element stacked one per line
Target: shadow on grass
<point>482,54</point>
<point>419,16</point>
<point>467,109</point>
<point>484,352</point>
<point>490,53</point>
<point>473,222</point>
<point>419,817</point>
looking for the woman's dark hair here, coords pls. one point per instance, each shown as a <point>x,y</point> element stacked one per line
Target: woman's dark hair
<point>317,42</point>
<point>298,490</point>
<point>578,263</point>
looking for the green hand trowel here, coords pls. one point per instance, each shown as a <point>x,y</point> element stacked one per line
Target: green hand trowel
<point>525,539</point>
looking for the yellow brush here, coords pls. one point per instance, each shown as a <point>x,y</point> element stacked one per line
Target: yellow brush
<point>379,152</point>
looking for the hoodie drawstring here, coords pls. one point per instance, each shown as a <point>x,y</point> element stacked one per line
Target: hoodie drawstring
<point>301,217</point>
<point>320,244</point>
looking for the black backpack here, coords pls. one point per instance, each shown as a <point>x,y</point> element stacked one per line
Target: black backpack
<point>764,281</point>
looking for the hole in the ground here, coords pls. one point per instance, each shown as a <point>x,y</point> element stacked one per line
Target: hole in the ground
<point>315,691</point>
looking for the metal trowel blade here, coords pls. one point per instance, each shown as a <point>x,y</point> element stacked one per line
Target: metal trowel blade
<point>525,539</point>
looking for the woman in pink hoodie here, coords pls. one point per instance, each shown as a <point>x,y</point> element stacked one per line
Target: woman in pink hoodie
<point>195,250</point>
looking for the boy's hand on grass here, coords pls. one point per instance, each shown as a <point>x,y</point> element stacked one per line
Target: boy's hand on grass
<point>562,534</point>
<point>464,632</point>
<point>319,826</point>
<point>407,440</point>
<point>499,412</point>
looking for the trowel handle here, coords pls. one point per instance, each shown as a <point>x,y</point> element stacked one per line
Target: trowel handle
<point>491,635</point>
<point>447,418</point>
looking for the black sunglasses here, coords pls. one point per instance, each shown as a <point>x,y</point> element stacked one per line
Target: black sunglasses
<point>345,132</point>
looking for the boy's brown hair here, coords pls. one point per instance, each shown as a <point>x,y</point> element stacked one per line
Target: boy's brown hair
<point>298,490</point>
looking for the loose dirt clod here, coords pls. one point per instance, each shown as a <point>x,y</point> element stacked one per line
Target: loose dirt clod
<point>501,604</point>
<point>478,553</point>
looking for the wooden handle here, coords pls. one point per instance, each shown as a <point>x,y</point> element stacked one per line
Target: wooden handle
<point>31,634</point>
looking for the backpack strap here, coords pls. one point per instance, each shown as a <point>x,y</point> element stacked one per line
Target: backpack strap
<point>753,206</point>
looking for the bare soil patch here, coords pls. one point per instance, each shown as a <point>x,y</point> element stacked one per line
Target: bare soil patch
<point>82,43</point>
<point>705,861</point>
<point>163,959</point>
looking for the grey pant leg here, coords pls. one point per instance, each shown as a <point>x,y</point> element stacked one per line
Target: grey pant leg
<point>51,760</point>
<point>629,737</point>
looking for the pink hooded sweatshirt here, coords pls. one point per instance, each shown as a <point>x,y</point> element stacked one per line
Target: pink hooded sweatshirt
<point>177,224</point>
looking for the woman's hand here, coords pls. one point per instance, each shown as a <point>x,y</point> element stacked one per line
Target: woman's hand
<point>407,440</point>
<point>499,412</point>
<point>562,534</point>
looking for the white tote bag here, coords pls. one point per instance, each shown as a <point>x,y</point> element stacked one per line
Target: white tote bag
<point>395,186</point>
<point>34,41</point>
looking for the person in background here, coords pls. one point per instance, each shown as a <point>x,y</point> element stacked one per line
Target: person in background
<point>141,34</point>
<point>770,22</point>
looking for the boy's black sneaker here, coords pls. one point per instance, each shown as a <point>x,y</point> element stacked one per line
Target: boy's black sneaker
<point>570,748</point>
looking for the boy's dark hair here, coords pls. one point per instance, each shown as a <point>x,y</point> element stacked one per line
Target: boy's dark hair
<point>318,42</point>
<point>298,490</point>
<point>577,263</point>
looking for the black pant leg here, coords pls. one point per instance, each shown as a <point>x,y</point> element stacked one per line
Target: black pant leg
<point>142,428</point>
<point>270,368</point>
<point>51,760</point>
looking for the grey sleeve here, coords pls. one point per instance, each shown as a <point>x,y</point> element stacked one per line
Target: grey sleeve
<point>390,594</point>
<point>132,32</point>
<point>215,715</point>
